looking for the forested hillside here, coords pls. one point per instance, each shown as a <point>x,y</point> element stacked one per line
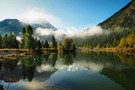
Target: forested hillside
<point>121,28</point>
<point>124,18</point>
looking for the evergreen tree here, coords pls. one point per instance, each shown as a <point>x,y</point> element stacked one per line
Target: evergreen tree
<point>23,32</point>
<point>5,41</point>
<point>29,38</point>
<point>13,43</point>
<point>29,30</point>
<point>39,45</point>
<point>46,45</point>
<point>53,42</point>
<point>23,38</point>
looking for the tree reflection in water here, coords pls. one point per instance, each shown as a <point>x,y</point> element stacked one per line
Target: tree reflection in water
<point>117,67</point>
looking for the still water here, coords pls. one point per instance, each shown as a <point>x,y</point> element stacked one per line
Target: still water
<point>71,71</point>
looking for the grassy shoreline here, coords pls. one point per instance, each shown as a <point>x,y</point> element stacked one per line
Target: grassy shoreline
<point>12,54</point>
<point>16,53</point>
<point>118,50</point>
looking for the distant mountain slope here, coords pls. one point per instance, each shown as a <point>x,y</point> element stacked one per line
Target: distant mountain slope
<point>44,25</point>
<point>124,18</point>
<point>10,25</point>
<point>15,26</point>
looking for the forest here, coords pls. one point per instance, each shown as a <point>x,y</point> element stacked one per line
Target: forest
<point>120,39</point>
<point>29,41</point>
<point>115,39</point>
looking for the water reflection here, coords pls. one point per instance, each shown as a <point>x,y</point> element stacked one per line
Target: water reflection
<point>69,71</point>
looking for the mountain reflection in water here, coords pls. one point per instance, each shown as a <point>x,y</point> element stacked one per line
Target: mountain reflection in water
<point>70,71</point>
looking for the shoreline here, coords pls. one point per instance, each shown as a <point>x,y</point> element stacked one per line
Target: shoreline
<point>115,50</point>
<point>12,54</point>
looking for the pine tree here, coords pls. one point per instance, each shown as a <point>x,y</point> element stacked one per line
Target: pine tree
<point>39,45</point>
<point>5,41</point>
<point>46,45</point>
<point>23,38</point>
<point>29,38</point>
<point>53,42</point>
<point>13,43</point>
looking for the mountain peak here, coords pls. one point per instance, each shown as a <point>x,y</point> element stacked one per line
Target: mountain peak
<point>8,21</point>
<point>15,26</point>
<point>10,25</point>
<point>44,25</point>
<point>11,20</point>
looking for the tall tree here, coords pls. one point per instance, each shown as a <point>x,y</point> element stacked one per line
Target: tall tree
<point>5,41</point>
<point>29,30</point>
<point>53,42</point>
<point>46,45</point>
<point>67,44</point>
<point>13,43</point>
<point>39,45</point>
<point>23,38</point>
<point>29,38</point>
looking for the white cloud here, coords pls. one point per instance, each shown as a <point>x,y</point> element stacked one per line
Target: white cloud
<point>18,38</point>
<point>88,66</point>
<point>92,31</point>
<point>34,85</point>
<point>45,34</point>
<point>44,68</point>
<point>39,15</point>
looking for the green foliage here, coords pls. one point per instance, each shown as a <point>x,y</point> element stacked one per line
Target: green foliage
<point>5,41</point>
<point>128,42</point>
<point>46,45</point>
<point>8,41</point>
<point>13,43</point>
<point>59,48</point>
<point>28,41</point>
<point>53,42</point>
<point>67,44</point>
<point>103,40</point>
<point>39,45</point>
<point>29,30</point>
<point>23,35</point>
<point>23,31</point>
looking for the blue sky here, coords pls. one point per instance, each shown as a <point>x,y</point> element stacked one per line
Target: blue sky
<point>69,13</point>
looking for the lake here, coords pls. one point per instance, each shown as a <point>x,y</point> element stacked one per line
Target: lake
<point>69,71</point>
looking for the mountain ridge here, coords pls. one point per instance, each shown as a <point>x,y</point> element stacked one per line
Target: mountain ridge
<point>10,25</point>
<point>124,18</point>
<point>15,26</point>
